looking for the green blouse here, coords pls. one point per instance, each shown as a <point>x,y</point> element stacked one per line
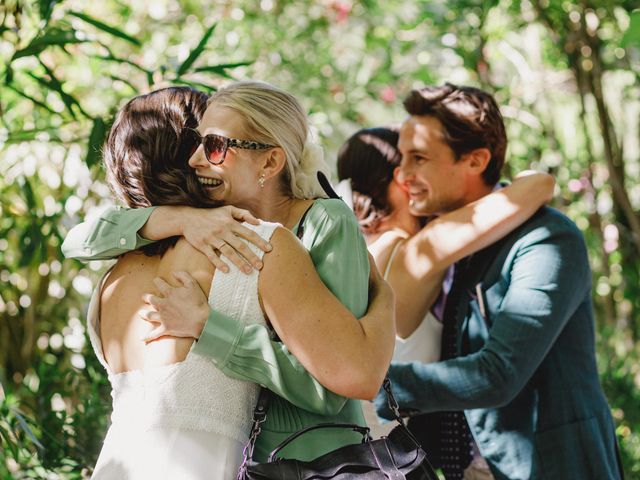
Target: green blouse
<point>338,251</point>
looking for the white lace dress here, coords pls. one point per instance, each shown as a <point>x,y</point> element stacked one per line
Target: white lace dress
<point>187,420</point>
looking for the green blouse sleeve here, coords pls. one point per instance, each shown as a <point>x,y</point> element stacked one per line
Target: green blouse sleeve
<point>111,234</point>
<point>246,352</point>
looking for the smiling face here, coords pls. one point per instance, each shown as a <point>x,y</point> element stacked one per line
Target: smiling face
<point>235,181</point>
<point>435,181</point>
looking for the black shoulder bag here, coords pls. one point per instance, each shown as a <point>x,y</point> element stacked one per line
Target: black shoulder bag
<point>397,456</point>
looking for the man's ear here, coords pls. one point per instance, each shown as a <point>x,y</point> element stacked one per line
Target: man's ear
<point>273,163</point>
<point>478,160</point>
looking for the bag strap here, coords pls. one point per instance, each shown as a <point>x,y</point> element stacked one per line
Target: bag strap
<point>364,431</point>
<point>326,185</point>
<point>300,231</point>
<point>259,417</point>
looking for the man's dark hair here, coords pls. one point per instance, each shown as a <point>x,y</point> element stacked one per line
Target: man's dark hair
<point>368,158</point>
<point>470,119</point>
<point>147,151</point>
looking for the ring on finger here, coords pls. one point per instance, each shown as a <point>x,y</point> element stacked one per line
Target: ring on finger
<point>219,246</point>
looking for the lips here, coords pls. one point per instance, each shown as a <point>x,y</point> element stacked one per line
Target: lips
<point>416,192</point>
<point>209,182</point>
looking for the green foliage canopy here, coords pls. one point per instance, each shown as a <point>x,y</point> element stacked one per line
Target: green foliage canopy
<point>565,74</point>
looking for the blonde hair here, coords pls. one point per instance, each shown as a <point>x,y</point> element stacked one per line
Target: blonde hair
<point>275,117</point>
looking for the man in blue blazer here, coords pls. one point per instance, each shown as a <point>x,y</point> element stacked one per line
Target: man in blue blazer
<point>518,381</point>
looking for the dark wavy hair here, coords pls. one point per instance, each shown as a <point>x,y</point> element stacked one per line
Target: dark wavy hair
<point>147,151</point>
<point>470,119</point>
<point>368,158</point>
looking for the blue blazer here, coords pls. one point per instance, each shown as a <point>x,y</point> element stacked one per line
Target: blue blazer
<point>526,376</point>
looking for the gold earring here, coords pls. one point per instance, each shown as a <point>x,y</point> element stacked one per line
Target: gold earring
<point>261,180</point>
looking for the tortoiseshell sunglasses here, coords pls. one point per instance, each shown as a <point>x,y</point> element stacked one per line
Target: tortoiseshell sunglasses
<point>216,146</point>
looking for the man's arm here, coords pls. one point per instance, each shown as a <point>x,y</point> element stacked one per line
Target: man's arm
<point>550,278</point>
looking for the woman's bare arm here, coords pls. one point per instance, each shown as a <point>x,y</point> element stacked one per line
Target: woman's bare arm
<point>422,261</point>
<point>346,355</point>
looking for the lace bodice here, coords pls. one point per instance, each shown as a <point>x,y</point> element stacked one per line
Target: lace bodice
<point>192,394</point>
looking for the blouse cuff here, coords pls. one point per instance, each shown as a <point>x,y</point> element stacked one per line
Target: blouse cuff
<point>219,338</point>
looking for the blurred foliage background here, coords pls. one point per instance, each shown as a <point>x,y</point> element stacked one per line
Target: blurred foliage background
<point>565,73</point>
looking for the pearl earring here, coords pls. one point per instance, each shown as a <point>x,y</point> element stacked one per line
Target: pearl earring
<point>261,180</point>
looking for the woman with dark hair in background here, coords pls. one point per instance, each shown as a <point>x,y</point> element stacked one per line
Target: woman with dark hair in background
<point>369,160</point>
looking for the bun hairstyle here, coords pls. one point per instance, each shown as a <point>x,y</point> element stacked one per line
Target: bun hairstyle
<point>368,159</point>
<point>147,151</point>
<point>275,117</point>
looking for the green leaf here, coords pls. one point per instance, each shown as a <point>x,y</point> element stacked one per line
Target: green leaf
<point>8,440</point>
<point>113,58</point>
<point>632,35</point>
<point>52,36</point>
<point>116,78</point>
<point>54,84</point>
<point>51,85</point>
<point>222,68</point>
<point>46,8</point>
<point>196,85</point>
<point>33,100</point>
<point>25,427</point>
<point>195,53</point>
<point>106,28</point>
<point>96,139</point>
<point>8,76</point>
<point>29,135</point>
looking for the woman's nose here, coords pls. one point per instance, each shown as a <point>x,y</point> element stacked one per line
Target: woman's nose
<point>198,160</point>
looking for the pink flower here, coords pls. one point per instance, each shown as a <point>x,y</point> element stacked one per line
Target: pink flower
<point>575,185</point>
<point>342,9</point>
<point>388,95</point>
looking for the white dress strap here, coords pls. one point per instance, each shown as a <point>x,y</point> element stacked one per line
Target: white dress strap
<point>387,269</point>
<point>236,293</point>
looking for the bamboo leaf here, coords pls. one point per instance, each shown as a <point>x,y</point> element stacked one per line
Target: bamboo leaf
<point>196,85</point>
<point>96,138</point>
<point>28,135</point>
<point>52,36</point>
<point>46,8</point>
<point>8,76</point>
<point>632,34</point>
<point>195,53</point>
<point>222,68</point>
<point>25,427</point>
<point>66,99</point>
<point>116,78</point>
<point>33,100</point>
<point>112,58</point>
<point>8,440</point>
<point>106,28</point>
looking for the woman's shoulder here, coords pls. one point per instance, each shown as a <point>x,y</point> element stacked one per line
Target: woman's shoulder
<point>184,257</point>
<point>383,248</point>
<point>330,212</point>
<point>332,206</point>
